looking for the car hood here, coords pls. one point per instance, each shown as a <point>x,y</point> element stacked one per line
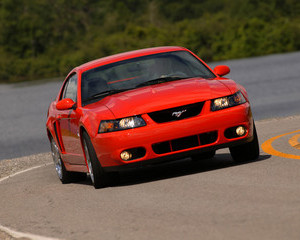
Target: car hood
<point>166,95</point>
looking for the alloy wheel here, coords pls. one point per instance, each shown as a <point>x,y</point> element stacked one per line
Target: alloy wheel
<point>89,162</point>
<point>56,158</point>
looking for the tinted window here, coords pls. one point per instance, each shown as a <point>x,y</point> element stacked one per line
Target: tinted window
<point>132,73</point>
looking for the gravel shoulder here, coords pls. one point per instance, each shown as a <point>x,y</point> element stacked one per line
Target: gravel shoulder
<point>11,166</point>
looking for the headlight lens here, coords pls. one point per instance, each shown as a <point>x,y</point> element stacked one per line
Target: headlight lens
<point>229,101</point>
<point>121,124</point>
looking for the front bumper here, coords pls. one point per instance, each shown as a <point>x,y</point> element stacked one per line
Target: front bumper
<point>108,146</point>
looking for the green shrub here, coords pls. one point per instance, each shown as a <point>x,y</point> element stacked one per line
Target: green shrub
<point>44,39</point>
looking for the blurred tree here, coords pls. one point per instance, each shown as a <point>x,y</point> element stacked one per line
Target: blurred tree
<point>47,38</point>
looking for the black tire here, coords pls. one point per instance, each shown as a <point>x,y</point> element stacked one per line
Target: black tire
<point>98,176</point>
<point>205,155</point>
<point>247,151</point>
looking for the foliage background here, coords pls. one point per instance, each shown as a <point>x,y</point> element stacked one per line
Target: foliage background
<point>47,38</point>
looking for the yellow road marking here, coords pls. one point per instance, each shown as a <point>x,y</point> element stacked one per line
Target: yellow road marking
<point>293,141</point>
<point>267,147</point>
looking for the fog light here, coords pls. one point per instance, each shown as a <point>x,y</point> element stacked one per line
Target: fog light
<point>240,131</point>
<point>125,155</point>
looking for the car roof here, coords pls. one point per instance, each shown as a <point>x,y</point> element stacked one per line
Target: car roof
<point>126,55</point>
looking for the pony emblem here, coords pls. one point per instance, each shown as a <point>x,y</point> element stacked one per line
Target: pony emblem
<point>178,114</point>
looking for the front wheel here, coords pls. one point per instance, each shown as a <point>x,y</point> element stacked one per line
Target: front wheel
<point>98,176</point>
<point>247,151</point>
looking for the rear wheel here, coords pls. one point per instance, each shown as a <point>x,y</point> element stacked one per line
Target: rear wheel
<point>98,176</point>
<point>247,151</point>
<point>64,175</point>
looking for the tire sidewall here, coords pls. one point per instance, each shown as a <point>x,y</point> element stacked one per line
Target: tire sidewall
<point>100,178</point>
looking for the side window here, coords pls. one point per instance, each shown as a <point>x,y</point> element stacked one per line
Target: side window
<point>70,90</point>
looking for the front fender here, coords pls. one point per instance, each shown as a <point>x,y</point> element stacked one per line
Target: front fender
<point>91,119</point>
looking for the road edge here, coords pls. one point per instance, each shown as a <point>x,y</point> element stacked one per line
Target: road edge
<point>17,235</point>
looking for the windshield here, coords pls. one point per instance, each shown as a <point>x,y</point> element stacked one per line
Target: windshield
<point>138,72</point>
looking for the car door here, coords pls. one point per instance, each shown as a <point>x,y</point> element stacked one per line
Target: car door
<point>69,124</point>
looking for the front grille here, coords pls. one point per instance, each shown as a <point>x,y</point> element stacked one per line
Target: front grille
<point>185,142</point>
<point>177,113</point>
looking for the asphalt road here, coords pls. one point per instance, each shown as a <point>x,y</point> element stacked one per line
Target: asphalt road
<point>272,82</point>
<point>209,199</point>
<point>23,111</point>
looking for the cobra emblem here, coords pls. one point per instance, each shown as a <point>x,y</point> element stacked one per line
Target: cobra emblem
<point>178,114</point>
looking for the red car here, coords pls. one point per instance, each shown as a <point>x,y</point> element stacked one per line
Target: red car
<point>143,107</point>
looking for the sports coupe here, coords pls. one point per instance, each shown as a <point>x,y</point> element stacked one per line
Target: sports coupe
<point>145,107</point>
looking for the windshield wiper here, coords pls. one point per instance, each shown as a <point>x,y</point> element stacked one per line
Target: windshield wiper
<point>105,93</point>
<point>161,80</point>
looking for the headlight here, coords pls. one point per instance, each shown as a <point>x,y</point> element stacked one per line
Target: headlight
<point>121,124</point>
<point>229,101</point>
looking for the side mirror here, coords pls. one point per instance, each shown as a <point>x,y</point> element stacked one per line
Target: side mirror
<point>222,70</point>
<point>65,104</point>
